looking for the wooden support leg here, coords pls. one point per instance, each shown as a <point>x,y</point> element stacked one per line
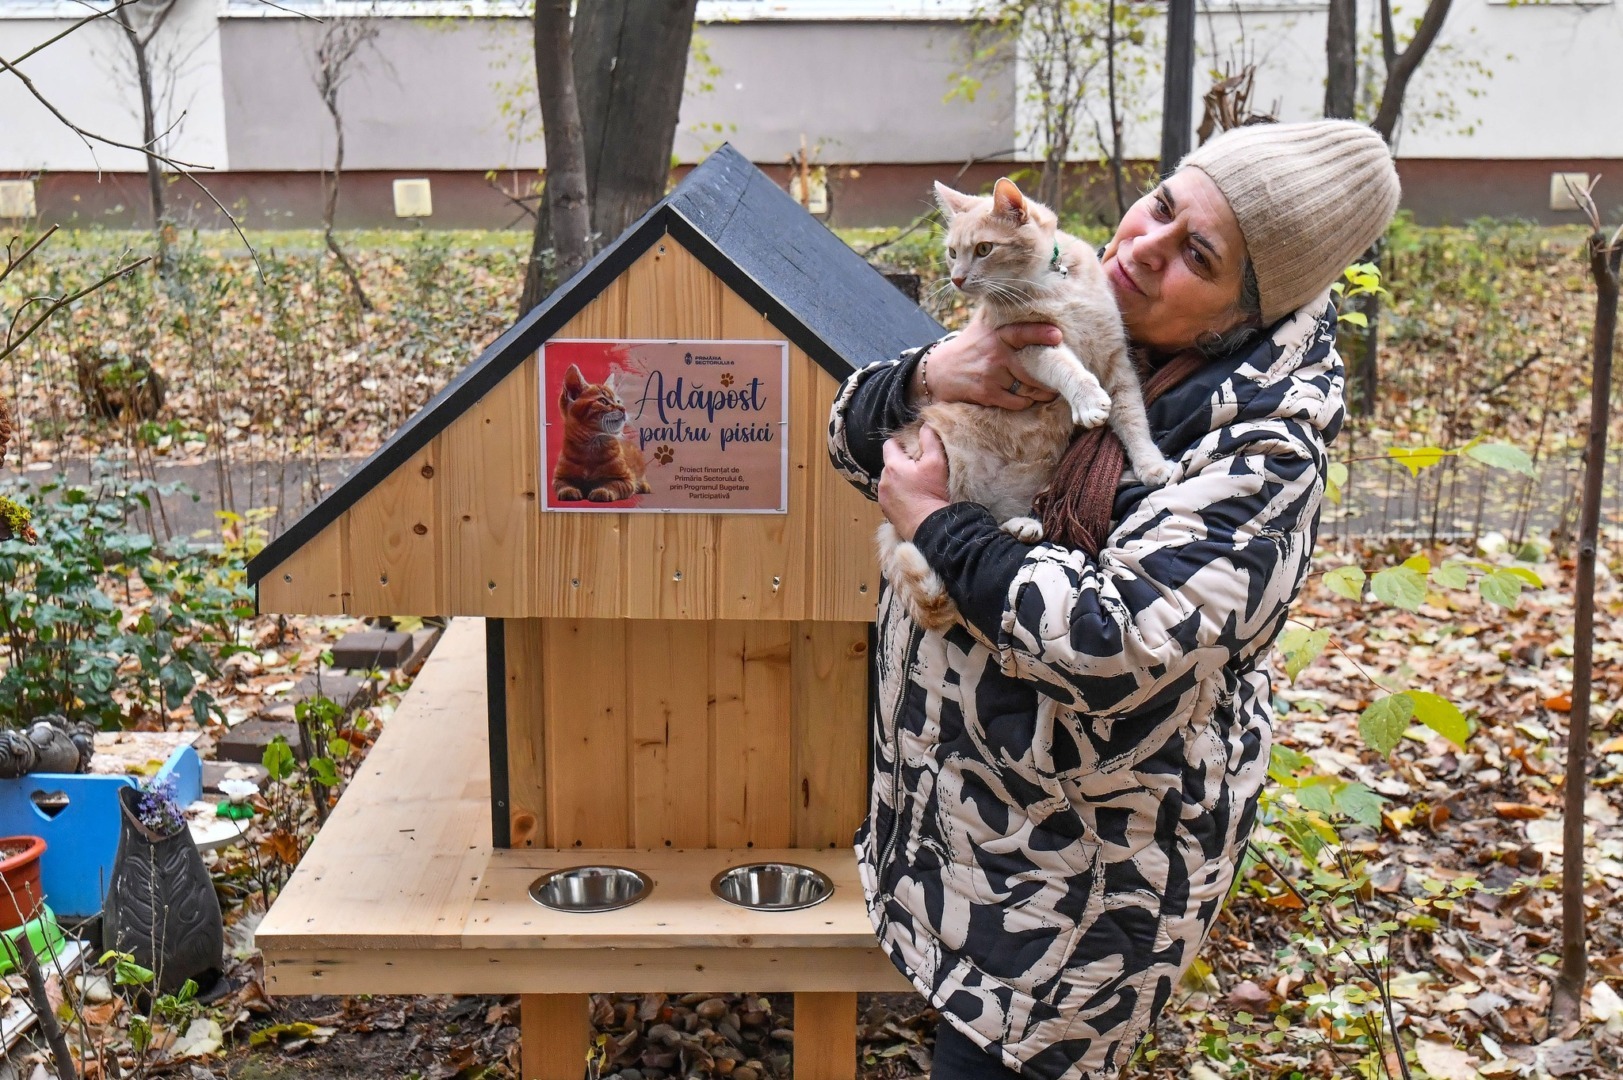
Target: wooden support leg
<point>555,1029</point>
<point>826,1036</point>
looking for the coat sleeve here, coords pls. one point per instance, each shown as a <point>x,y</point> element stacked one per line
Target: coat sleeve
<point>872,404</point>
<point>1200,573</point>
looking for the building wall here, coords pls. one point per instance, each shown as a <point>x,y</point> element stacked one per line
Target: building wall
<point>90,78</point>
<point>427,94</point>
<point>1510,94</point>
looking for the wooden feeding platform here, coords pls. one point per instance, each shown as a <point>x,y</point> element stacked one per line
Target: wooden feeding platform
<point>660,661</point>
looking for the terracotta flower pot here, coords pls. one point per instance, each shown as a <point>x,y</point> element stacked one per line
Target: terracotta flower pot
<point>21,893</point>
<point>161,905</point>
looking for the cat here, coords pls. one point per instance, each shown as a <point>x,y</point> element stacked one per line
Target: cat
<point>1007,252</point>
<point>596,464</point>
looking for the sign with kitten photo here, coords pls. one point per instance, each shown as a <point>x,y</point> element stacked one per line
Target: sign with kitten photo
<point>666,426</point>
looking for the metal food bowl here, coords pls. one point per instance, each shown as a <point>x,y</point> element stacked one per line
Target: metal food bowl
<point>590,888</point>
<point>772,886</point>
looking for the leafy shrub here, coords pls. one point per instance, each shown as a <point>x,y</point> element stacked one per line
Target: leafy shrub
<point>70,648</point>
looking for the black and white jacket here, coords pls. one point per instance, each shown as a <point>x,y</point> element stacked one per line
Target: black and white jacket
<point>1064,786</point>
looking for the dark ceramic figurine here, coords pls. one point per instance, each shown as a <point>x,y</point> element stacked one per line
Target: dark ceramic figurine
<point>16,754</point>
<point>84,737</point>
<point>54,750</point>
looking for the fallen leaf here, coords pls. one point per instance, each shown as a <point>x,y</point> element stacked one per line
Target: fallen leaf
<point>1607,1007</point>
<point>1250,997</point>
<point>1564,1058</point>
<point>1514,811</point>
<point>202,1038</point>
<point>1561,702</point>
<point>1445,1061</point>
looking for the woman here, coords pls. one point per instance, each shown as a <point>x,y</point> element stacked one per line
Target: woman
<point>1064,785</point>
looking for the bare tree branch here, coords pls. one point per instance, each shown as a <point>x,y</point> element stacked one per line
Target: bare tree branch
<point>1401,66</point>
<point>13,263</point>
<point>13,344</point>
<point>48,42</point>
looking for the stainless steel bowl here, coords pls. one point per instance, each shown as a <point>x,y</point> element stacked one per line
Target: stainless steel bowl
<point>772,886</point>
<point>590,888</point>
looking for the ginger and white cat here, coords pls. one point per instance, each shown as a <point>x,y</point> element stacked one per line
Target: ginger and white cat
<point>1008,253</point>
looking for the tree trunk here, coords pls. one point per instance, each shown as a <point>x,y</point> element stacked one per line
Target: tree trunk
<point>149,134</point>
<point>329,212</point>
<point>1178,104</point>
<point>1605,262</point>
<point>1341,52</point>
<point>566,205</point>
<point>629,59</point>
<point>1116,178</point>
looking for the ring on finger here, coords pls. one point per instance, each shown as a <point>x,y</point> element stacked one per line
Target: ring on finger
<point>1016,386</point>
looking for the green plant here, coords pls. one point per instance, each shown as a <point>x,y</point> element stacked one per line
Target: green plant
<point>72,649</point>
<point>168,1012</point>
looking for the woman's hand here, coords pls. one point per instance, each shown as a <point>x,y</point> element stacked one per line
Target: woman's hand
<point>911,489</point>
<point>981,365</point>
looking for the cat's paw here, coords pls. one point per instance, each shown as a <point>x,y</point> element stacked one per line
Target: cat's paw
<point>565,493</point>
<point>1090,408</point>
<point>1156,474</point>
<point>1024,529</point>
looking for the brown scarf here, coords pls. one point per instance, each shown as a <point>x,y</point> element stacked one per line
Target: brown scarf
<point>1076,505</point>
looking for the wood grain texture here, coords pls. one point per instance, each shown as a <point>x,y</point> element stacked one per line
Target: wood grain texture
<point>668,697</point>
<point>829,732</point>
<point>579,555</point>
<point>490,499</point>
<point>844,559</point>
<point>489,550</point>
<point>761,559</point>
<point>825,1036</point>
<point>556,1029</point>
<point>587,737</point>
<point>399,860</point>
<point>646,733</point>
<point>314,580</point>
<point>668,560</point>
<point>750,691</point>
<point>553,971</point>
<point>394,539</point>
<point>526,733</point>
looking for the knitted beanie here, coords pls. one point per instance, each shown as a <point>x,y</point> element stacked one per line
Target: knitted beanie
<point>1310,198</point>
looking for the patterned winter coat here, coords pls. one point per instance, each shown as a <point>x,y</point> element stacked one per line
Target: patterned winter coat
<point>1063,787</point>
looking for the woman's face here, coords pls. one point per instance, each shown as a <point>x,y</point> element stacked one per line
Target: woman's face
<point>1176,263</point>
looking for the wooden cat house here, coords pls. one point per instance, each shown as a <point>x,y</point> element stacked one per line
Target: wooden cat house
<point>672,679</point>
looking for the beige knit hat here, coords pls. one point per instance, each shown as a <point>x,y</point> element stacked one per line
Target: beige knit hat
<point>1310,198</point>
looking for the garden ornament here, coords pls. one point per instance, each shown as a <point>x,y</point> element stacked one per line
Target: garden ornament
<point>17,754</point>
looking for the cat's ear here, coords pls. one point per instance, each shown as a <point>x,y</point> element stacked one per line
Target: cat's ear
<point>1007,202</point>
<point>952,202</point>
<point>574,383</point>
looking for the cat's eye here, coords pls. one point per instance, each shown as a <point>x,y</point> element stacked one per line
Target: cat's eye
<point>952,253</point>
<point>983,249</point>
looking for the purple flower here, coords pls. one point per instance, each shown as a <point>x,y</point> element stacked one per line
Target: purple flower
<point>158,808</point>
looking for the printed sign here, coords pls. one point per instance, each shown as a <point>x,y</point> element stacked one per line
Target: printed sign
<point>666,426</point>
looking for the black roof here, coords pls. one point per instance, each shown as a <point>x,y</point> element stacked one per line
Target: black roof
<point>747,231</point>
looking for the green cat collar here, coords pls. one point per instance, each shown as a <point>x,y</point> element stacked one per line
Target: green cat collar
<point>1053,264</point>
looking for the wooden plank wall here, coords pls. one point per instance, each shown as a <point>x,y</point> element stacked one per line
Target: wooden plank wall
<point>644,734</point>
<point>458,529</point>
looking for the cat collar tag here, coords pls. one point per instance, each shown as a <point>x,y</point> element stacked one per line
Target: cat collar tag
<point>1054,263</point>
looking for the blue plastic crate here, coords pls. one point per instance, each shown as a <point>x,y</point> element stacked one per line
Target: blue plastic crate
<point>82,838</point>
